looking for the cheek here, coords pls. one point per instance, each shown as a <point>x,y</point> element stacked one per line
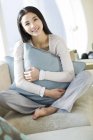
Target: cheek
<point>26,29</point>
<point>41,25</point>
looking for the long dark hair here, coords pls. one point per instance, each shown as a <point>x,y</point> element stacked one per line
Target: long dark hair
<point>24,35</point>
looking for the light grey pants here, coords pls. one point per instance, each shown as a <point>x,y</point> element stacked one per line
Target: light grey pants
<point>13,101</point>
<point>77,88</point>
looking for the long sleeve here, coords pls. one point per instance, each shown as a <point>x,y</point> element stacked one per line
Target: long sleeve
<point>19,72</point>
<point>59,48</point>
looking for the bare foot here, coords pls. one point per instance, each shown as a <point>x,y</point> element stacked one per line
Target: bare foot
<point>40,112</point>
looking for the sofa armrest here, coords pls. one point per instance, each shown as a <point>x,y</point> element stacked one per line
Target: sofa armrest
<point>5,80</point>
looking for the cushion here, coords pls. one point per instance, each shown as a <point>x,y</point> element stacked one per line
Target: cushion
<point>44,60</point>
<point>90,107</point>
<point>47,61</point>
<point>10,61</point>
<point>8,132</point>
<point>78,66</point>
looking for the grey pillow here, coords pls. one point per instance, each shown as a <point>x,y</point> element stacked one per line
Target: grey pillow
<point>78,66</point>
<point>44,60</point>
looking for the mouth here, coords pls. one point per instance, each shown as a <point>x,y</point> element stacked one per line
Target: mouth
<point>35,30</point>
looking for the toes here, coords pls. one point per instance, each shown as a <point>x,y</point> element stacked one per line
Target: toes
<point>36,114</point>
<point>34,117</point>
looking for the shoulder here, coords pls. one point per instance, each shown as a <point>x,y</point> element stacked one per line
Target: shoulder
<point>54,38</point>
<point>18,45</point>
<point>57,43</point>
<point>18,48</point>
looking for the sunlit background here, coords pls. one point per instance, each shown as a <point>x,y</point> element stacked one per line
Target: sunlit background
<point>67,18</point>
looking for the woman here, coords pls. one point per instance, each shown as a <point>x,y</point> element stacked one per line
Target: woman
<point>34,30</point>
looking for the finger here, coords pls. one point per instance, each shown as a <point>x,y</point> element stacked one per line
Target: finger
<point>32,68</point>
<point>61,90</point>
<point>27,72</point>
<point>29,80</point>
<point>28,77</point>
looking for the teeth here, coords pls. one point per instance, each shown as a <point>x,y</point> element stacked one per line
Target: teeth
<point>34,30</point>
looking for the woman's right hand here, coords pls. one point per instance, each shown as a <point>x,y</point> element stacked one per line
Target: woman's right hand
<point>54,93</point>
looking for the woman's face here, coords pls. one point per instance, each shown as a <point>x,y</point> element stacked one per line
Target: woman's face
<point>32,24</point>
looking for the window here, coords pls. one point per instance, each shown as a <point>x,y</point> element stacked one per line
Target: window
<point>75,24</point>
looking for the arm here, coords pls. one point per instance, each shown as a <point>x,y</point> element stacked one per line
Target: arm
<point>60,49</point>
<point>19,72</point>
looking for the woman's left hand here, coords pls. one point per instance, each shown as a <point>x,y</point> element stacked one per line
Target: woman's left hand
<point>32,74</point>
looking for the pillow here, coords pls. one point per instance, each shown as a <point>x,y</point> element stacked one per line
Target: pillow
<point>78,66</point>
<point>8,132</point>
<point>44,60</point>
<point>10,61</point>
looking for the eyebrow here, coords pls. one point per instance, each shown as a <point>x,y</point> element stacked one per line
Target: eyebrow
<point>26,22</point>
<point>32,18</point>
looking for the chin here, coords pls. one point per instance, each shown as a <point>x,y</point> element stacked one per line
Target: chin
<point>36,34</point>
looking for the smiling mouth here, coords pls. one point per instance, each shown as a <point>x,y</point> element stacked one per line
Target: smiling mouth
<point>35,30</point>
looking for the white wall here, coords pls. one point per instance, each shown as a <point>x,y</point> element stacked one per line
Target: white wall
<point>10,9</point>
<point>2,40</point>
<point>88,8</point>
<point>52,16</point>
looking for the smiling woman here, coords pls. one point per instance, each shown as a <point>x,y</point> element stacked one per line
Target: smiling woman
<point>26,79</point>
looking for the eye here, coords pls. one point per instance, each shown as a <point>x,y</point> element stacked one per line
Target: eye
<point>35,19</point>
<point>27,24</point>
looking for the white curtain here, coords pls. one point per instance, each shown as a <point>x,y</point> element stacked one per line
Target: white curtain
<point>75,24</point>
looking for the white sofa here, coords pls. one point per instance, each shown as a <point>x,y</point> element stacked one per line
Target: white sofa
<point>76,133</point>
<point>58,121</point>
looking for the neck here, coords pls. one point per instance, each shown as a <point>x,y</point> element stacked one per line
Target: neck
<point>41,41</point>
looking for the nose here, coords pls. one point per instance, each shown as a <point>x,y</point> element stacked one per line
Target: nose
<point>32,25</point>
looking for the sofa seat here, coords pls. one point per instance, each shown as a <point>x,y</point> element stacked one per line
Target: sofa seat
<point>77,133</point>
<point>53,122</point>
<point>59,120</point>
